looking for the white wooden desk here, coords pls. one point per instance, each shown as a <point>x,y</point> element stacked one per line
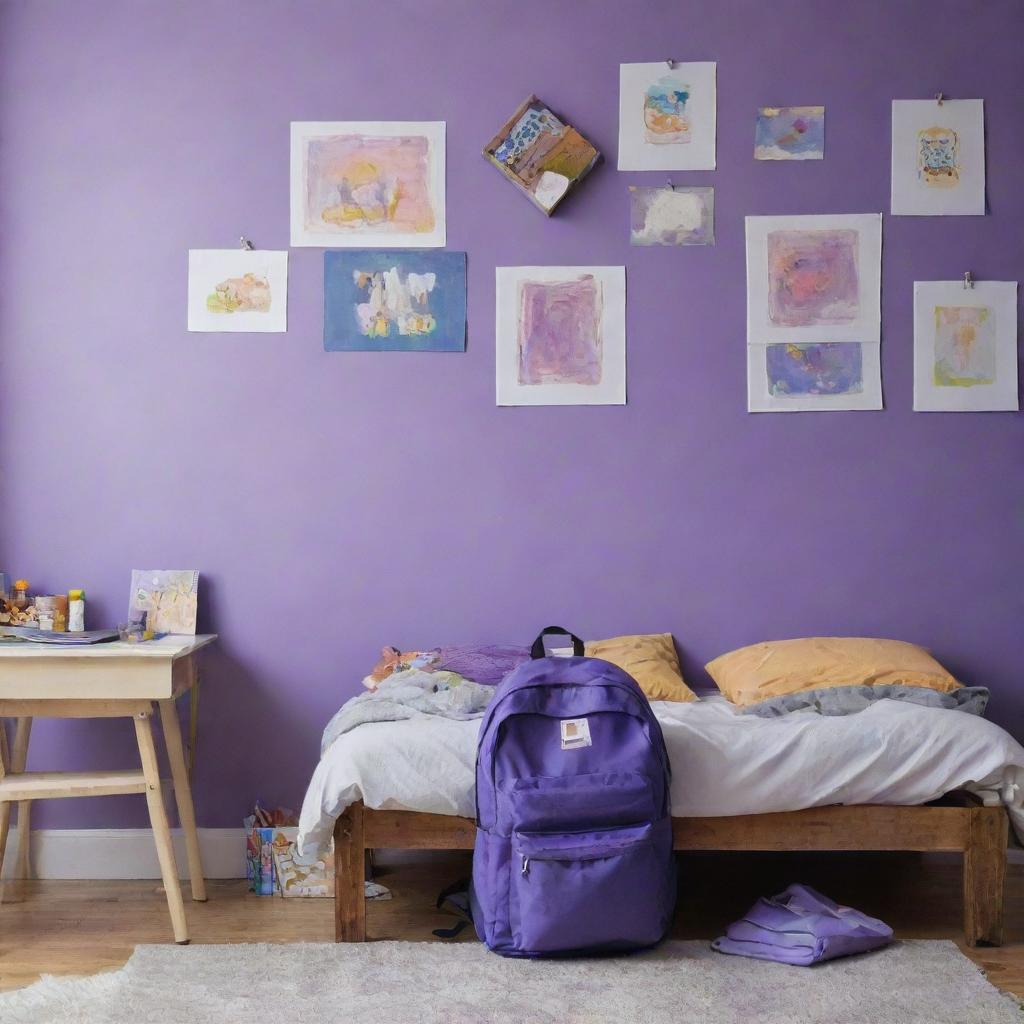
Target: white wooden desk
<point>111,680</point>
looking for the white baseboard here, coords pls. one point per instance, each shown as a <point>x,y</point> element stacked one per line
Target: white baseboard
<point>124,853</point>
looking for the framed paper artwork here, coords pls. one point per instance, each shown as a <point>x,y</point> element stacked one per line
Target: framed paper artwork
<point>401,301</point>
<point>813,312</point>
<point>667,115</point>
<point>965,346</point>
<point>938,157</point>
<point>237,290</point>
<point>790,133</point>
<point>561,335</point>
<point>169,597</point>
<point>359,184</point>
<point>671,216</point>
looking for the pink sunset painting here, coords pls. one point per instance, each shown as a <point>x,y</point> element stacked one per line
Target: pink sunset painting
<point>559,331</point>
<point>357,183</point>
<point>813,277</point>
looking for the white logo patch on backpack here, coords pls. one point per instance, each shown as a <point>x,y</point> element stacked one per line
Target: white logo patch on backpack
<point>575,733</point>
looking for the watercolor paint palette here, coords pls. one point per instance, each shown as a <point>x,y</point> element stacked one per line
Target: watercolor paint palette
<point>541,154</point>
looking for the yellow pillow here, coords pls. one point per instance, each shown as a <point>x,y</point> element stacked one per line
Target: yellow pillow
<point>650,659</point>
<point>766,670</point>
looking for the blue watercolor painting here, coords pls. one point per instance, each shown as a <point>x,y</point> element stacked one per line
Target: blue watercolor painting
<point>790,133</point>
<point>400,301</point>
<point>828,368</point>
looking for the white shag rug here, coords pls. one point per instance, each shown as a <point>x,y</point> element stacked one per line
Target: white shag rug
<point>432,983</point>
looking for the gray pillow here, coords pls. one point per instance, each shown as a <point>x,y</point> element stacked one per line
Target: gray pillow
<point>848,700</point>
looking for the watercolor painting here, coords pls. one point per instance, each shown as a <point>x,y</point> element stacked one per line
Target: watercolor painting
<point>814,377</point>
<point>541,154</point>
<point>829,368</point>
<point>814,278</point>
<point>667,116</point>
<point>671,216</point>
<point>237,290</point>
<point>666,121</point>
<point>368,183</point>
<point>561,335</point>
<point>790,133</point>
<point>170,597</point>
<point>938,157</point>
<point>401,301</point>
<point>965,346</point>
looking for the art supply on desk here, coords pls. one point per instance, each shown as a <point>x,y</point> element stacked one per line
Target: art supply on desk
<point>52,612</point>
<point>68,639</point>
<point>76,611</point>
<point>20,611</point>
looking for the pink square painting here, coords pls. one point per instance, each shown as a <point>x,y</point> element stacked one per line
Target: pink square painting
<point>559,331</point>
<point>813,277</point>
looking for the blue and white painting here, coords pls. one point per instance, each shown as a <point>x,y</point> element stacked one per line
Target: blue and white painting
<point>790,133</point>
<point>400,301</point>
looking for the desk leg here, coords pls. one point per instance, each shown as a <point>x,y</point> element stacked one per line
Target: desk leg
<point>5,807</point>
<point>19,758</point>
<point>183,796</point>
<point>161,831</point>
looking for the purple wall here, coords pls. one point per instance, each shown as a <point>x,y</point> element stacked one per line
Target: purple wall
<point>356,500</point>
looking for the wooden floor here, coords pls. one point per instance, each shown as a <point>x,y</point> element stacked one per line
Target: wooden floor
<point>83,927</point>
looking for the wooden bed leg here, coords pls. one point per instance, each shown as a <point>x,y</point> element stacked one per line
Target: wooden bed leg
<point>984,873</point>
<point>349,875</point>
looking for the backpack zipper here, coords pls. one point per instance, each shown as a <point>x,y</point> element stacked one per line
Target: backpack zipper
<point>526,866</point>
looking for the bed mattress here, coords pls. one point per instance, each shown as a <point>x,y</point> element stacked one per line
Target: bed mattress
<point>723,763</point>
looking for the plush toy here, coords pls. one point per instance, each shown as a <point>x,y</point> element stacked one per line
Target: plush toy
<point>393,660</point>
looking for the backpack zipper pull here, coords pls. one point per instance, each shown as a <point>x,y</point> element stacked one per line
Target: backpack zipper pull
<point>526,866</point>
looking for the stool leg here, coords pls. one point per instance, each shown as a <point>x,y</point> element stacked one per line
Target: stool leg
<point>161,831</point>
<point>183,796</point>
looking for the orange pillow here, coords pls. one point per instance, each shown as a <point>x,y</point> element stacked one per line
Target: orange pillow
<point>762,671</point>
<point>650,659</point>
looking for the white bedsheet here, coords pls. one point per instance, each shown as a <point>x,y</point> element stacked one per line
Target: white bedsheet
<point>723,763</point>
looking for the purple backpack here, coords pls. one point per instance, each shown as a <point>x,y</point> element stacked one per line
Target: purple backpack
<point>574,833</point>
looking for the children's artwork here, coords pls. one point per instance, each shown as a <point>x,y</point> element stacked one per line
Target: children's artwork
<point>938,157</point>
<point>541,154</point>
<point>667,116</point>
<point>965,346</point>
<point>401,301</point>
<point>790,133</point>
<point>813,312</point>
<point>359,184</point>
<point>814,278</point>
<point>796,377</point>
<point>168,596</point>
<point>561,335</point>
<point>237,290</point>
<point>671,216</point>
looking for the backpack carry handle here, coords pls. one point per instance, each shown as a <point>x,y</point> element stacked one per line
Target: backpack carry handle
<point>537,650</point>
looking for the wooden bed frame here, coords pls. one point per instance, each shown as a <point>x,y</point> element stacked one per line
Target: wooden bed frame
<point>958,824</point>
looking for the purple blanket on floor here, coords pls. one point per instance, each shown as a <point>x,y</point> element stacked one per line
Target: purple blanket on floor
<point>802,927</point>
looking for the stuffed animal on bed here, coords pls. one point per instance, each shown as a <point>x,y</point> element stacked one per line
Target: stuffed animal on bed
<point>393,660</point>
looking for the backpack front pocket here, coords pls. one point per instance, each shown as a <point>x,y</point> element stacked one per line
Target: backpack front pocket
<point>576,891</point>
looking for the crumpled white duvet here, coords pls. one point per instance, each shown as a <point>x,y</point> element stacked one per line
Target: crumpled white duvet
<point>723,763</point>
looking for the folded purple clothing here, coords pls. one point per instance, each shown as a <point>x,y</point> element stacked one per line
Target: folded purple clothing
<point>802,927</point>
<point>487,664</point>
